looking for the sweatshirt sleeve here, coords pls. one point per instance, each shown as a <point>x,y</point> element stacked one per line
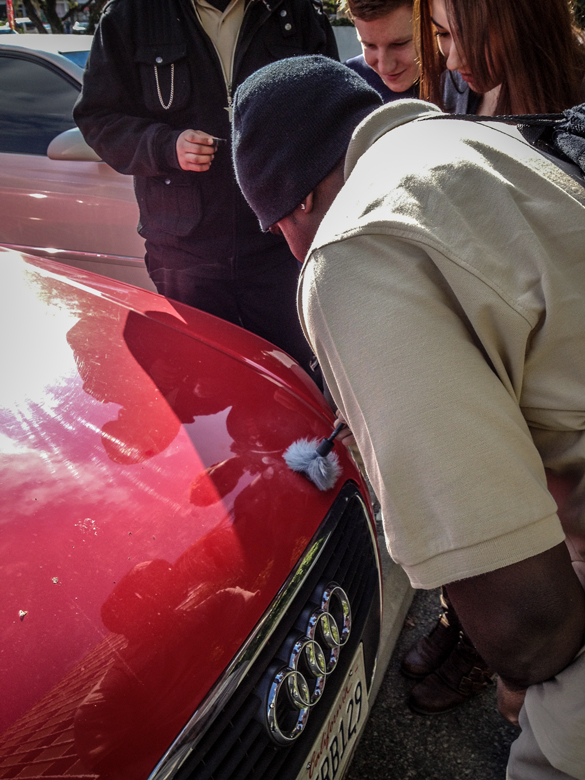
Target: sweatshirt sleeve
<point>319,35</point>
<point>445,443</point>
<point>109,112</point>
<point>331,49</point>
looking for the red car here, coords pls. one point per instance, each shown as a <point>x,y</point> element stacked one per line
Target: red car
<point>176,602</point>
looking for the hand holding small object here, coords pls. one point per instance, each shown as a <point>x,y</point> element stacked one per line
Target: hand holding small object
<point>345,435</point>
<point>196,150</point>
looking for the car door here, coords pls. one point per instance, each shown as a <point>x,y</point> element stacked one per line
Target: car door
<point>82,213</point>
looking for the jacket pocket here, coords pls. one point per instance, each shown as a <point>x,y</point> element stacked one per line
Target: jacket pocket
<point>169,204</point>
<point>164,75</point>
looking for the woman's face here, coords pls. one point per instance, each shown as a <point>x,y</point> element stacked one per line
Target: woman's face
<point>447,45</point>
<point>389,48</point>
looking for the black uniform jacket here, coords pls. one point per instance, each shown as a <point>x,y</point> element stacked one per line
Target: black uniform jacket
<point>152,73</point>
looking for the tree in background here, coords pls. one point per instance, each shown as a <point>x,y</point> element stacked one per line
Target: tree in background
<point>37,9</point>
<point>337,11</point>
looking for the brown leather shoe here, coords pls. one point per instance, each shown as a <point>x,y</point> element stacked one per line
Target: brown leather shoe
<point>461,676</point>
<point>431,650</point>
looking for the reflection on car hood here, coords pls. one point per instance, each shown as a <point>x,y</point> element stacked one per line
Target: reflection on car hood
<point>148,516</point>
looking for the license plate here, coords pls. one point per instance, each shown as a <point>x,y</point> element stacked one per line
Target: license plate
<point>333,748</point>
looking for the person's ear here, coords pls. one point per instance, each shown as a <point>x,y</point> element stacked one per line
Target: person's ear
<point>306,204</point>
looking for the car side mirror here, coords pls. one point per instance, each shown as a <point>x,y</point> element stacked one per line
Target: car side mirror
<point>71,145</point>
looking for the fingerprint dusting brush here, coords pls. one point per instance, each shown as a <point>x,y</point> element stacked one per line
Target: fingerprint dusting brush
<point>316,461</point>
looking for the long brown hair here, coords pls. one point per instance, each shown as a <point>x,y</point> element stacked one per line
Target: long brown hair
<point>530,47</point>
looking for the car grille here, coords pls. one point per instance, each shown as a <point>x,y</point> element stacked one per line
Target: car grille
<point>236,745</point>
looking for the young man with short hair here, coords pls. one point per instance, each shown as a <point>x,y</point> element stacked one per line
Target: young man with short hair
<point>388,62</point>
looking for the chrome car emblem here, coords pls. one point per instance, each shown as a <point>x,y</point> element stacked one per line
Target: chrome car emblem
<point>298,687</point>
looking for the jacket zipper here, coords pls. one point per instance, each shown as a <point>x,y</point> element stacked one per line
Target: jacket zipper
<point>237,53</point>
<point>270,5</point>
<point>228,80</point>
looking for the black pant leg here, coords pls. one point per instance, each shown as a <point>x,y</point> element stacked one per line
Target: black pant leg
<point>181,283</point>
<point>268,306</point>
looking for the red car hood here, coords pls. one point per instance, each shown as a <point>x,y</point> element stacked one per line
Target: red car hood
<point>148,518</point>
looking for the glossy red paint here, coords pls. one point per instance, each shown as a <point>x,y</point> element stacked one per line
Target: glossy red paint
<point>148,518</point>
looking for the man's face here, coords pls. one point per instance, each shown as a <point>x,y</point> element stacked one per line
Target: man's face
<point>296,235</point>
<point>388,48</point>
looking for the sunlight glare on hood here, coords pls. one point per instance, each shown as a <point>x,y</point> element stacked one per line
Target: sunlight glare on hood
<point>34,353</point>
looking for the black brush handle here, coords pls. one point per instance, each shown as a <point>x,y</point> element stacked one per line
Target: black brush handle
<point>327,444</point>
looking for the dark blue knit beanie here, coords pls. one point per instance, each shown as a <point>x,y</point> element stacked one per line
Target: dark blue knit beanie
<point>293,121</point>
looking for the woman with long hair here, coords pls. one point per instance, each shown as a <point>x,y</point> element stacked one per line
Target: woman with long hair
<point>502,56</point>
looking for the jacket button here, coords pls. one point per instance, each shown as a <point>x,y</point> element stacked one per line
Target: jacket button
<point>283,13</point>
<point>288,26</point>
<point>159,60</point>
<point>167,181</point>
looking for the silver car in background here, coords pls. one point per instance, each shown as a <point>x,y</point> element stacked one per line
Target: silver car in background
<point>57,198</point>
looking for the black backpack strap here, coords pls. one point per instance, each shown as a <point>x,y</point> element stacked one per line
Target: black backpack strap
<point>569,135</point>
<point>559,135</point>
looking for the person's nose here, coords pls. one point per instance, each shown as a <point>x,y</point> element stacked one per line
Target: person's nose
<point>387,61</point>
<point>455,61</point>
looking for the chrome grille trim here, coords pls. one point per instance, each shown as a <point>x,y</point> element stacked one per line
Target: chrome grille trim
<point>223,690</point>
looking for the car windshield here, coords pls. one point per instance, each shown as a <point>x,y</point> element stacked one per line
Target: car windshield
<point>78,57</point>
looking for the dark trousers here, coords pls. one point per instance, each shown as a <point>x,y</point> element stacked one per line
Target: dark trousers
<point>263,303</point>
